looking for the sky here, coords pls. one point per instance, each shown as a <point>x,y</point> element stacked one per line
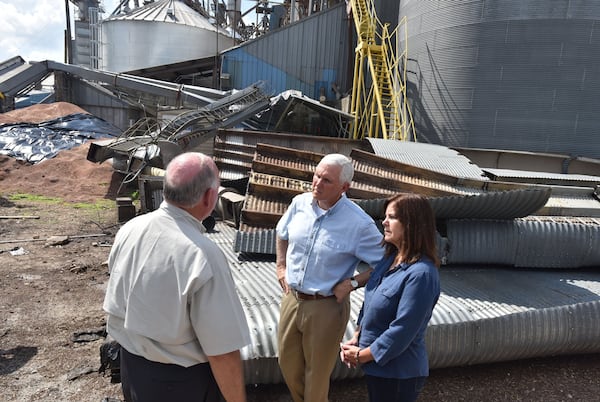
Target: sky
<point>34,29</point>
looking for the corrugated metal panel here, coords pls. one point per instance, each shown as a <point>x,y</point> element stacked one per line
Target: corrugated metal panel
<point>531,243</point>
<point>489,314</point>
<point>505,74</point>
<point>546,332</point>
<point>485,314</point>
<point>428,156</point>
<point>523,176</point>
<point>307,55</point>
<point>253,240</point>
<point>555,244</point>
<point>389,174</point>
<point>481,242</point>
<point>493,205</point>
<point>574,203</point>
<point>531,161</point>
<point>172,11</point>
<point>387,11</point>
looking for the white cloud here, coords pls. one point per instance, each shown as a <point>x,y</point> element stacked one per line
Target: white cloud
<point>32,29</point>
<point>35,29</point>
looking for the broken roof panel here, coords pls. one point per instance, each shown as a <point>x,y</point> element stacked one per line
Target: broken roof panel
<point>436,158</point>
<point>279,173</point>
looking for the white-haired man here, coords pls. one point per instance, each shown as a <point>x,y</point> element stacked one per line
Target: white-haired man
<point>321,239</point>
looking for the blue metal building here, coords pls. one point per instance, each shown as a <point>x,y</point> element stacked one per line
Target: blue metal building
<point>313,55</point>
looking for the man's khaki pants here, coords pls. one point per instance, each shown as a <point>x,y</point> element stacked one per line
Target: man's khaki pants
<point>309,336</point>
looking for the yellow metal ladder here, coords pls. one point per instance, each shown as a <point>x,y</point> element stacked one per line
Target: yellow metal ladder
<point>380,106</point>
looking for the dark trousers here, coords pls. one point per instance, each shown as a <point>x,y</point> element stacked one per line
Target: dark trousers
<point>394,389</point>
<point>143,380</point>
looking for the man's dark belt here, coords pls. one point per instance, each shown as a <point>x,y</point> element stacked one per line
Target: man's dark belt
<point>305,296</point>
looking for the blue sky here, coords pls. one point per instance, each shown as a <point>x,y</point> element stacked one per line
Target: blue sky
<point>34,29</point>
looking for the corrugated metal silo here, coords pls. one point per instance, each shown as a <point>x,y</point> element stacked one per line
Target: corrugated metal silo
<point>162,32</point>
<point>510,74</point>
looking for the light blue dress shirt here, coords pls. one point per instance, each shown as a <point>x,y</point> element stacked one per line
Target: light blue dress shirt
<point>325,247</point>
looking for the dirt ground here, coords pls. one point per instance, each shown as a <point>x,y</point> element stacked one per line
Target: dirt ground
<point>51,292</point>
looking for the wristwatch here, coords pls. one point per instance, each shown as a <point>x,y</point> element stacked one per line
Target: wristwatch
<point>354,283</point>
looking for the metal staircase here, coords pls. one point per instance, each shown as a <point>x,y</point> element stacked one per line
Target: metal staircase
<point>190,128</point>
<point>379,102</point>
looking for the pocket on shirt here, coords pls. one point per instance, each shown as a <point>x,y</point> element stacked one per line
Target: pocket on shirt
<point>334,245</point>
<point>389,291</point>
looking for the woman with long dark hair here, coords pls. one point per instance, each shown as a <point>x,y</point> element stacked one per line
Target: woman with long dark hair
<point>389,342</point>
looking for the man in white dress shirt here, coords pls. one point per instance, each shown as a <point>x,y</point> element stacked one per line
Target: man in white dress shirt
<point>171,299</point>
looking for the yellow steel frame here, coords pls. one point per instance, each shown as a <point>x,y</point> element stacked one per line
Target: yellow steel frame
<point>380,108</point>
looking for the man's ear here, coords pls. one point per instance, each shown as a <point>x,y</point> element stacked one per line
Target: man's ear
<point>210,197</point>
<point>345,187</point>
<point>207,197</point>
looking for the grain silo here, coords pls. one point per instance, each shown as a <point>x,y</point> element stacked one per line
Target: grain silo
<point>511,74</point>
<point>159,33</point>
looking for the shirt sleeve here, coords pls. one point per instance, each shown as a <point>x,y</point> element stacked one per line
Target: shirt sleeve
<point>217,315</point>
<point>413,309</point>
<point>369,248</point>
<point>282,225</point>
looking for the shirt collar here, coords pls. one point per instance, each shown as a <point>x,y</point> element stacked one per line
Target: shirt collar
<point>334,207</point>
<point>177,212</point>
<point>403,266</point>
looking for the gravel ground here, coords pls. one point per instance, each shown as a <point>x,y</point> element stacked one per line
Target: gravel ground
<point>549,379</point>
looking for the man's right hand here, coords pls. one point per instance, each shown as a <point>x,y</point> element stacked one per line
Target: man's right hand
<point>281,279</point>
<point>281,251</point>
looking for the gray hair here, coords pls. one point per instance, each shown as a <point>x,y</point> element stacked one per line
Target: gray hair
<point>188,177</point>
<point>345,163</point>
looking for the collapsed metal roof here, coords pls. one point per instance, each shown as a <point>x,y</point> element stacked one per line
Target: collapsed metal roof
<point>515,284</point>
<point>485,313</point>
<point>488,311</point>
<point>149,139</point>
<point>428,156</point>
<point>275,174</point>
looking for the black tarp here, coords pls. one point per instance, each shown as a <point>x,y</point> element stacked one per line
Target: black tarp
<point>35,142</point>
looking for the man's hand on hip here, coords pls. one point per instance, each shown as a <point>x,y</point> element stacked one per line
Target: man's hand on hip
<point>342,290</point>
